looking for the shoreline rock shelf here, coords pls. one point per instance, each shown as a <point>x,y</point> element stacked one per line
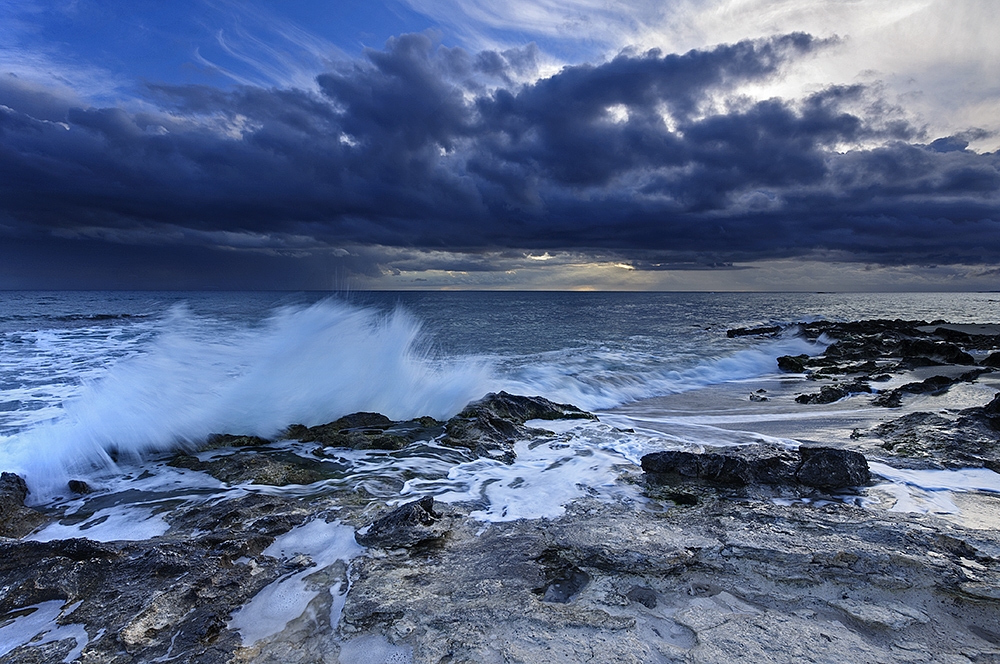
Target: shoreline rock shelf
<point>712,565</point>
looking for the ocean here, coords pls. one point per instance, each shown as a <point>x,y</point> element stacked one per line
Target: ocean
<point>99,385</point>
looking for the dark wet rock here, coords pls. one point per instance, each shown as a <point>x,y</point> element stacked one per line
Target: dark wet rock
<point>222,440</point>
<point>490,426</point>
<point>831,393</point>
<point>408,525</point>
<point>793,363</point>
<point>860,346</point>
<point>167,598</point>
<point>820,467</point>
<point>753,331</point>
<point>520,409</point>
<point>830,468</point>
<point>993,360</point>
<point>942,352</point>
<point>274,469</point>
<point>16,520</point>
<point>367,431</point>
<point>763,464</point>
<point>79,487</point>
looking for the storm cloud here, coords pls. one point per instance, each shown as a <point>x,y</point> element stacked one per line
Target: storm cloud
<point>652,158</point>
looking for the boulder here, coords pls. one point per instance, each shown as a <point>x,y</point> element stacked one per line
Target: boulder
<point>741,466</point>
<point>831,468</point>
<point>408,525</point>
<point>793,363</point>
<point>819,467</point>
<point>490,426</point>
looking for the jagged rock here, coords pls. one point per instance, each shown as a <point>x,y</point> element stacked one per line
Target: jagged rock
<point>490,426</point>
<point>993,360</point>
<point>831,468</point>
<point>16,520</point>
<point>407,525</point>
<point>367,431</point>
<point>831,393</point>
<point>923,439</point>
<point>763,464</point>
<point>793,363</point>
<point>751,331</point>
<point>79,487</point>
<point>520,409</point>
<point>942,352</point>
<point>251,468</point>
<point>169,597</point>
<point>820,467</point>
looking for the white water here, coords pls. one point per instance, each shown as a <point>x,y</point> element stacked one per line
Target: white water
<point>579,459</point>
<point>37,625</point>
<point>288,598</point>
<point>930,491</point>
<point>602,381</point>
<point>169,384</point>
<point>303,365</point>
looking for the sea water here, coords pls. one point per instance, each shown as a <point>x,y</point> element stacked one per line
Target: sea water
<point>92,383</point>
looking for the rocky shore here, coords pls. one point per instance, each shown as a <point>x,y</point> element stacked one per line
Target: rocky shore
<point>760,553</point>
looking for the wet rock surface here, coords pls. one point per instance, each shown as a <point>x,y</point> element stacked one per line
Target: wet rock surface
<point>408,525</point>
<point>719,582</point>
<point>820,467</point>
<point>490,426</point>
<point>16,520</point>
<point>969,438</point>
<point>153,600</point>
<point>367,431</point>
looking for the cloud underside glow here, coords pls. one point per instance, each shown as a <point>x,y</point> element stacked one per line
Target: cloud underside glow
<point>481,169</point>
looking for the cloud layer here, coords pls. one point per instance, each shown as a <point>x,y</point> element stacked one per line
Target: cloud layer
<point>655,159</point>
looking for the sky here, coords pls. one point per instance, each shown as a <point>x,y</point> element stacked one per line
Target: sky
<point>813,145</point>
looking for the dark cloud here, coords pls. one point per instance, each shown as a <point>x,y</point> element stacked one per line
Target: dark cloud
<point>654,158</point>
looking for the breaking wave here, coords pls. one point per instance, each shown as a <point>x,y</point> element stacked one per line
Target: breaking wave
<point>196,377</point>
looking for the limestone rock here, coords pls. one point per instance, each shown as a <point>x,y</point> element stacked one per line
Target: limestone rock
<point>407,525</point>
<point>16,520</point>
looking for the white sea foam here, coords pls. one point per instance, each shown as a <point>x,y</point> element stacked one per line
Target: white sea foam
<point>286,599</point>
<point>108,525</point>
<point>930,491</point>
<point>593,384</point>
<point>37,626</point>
<point>584,459</point>
<point>307,364</point>
<point>963,479</point>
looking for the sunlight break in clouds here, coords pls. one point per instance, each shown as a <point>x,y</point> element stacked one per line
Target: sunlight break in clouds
<point>940,58</point>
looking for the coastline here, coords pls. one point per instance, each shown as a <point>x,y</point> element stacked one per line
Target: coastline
<point>692,571</point>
